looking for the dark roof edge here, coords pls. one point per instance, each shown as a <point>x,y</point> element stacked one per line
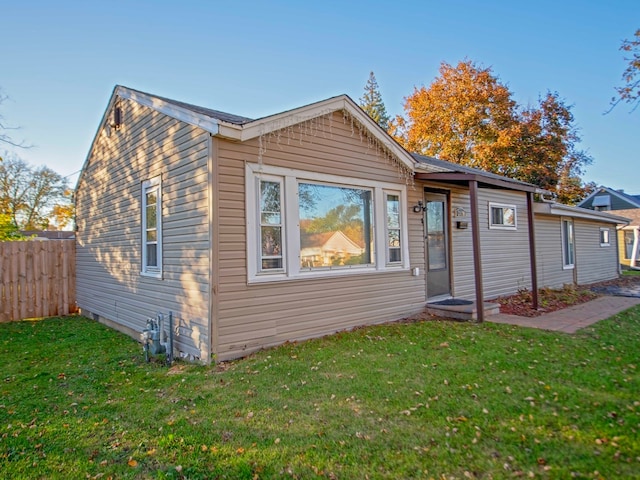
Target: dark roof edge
<point>488,176</point>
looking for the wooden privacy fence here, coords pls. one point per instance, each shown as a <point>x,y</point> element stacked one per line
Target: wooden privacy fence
<point>37,279</point>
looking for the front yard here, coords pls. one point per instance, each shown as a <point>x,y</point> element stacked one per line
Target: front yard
<point>429,399</point>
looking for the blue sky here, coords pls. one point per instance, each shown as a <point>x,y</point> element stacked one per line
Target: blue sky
<point>59,61</point>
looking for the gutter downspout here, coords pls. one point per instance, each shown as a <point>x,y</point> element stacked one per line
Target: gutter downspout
<point>477,258</point>
<point>532,251</point>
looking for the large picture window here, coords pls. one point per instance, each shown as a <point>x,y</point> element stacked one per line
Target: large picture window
<point>152,227</point>
<point>302,224</point>
<point>335,226</point>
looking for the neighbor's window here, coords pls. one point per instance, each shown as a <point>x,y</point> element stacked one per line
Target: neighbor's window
<point>394,250</point>
<point>568,243</point>
<point>152,227</point>
<point>604,237</point>
<point>628,245</point>
<point>303,224</point>
<point>502,216</point>
<point>601,202</point>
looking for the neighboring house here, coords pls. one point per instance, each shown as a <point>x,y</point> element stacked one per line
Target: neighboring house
<point>625,205</point>
<point>208,215</point>
<point>49,234</point>
<point>629,239</point>
<point>605,198</point>
<point>328,249</point>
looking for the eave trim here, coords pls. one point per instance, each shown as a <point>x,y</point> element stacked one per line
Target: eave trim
<point>299,115</point>
<point>471,177</point>
<point>578,212</point>
<point>179,113</point>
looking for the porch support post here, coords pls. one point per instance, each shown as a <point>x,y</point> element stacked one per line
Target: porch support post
<point>532,251</point>
<point>477,259</point>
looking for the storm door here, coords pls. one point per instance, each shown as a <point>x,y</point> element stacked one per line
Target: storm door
<point>437,244</point>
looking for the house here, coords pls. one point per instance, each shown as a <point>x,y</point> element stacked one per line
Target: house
<point>328,248</point>
<point>629,239</point>
<point>605,198</point>
<point>296,225</point>
<point>49,234</point>
<point>588,252</point>
<point>625,205</point>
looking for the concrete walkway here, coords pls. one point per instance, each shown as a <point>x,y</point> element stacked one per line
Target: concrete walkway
<point>571,319</point>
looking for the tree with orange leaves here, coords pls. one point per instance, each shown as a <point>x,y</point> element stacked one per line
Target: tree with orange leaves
<point>468,116</point>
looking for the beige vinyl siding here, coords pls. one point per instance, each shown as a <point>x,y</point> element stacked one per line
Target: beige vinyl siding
<point>593,262</point>
<point>549,253</point>
<point>506,264</point>
<point>108,200</point>
<point>462,247</point>
<point>505,253</point>
<point>261,315</point>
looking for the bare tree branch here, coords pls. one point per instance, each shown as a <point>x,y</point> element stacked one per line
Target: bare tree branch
<point>629,92</point>
<point>4,137</point>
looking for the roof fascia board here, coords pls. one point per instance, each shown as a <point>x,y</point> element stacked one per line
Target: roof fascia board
<point>590,196</point>
<point>578,212</point>
<point>299,115</point>
<point>179,113</point>
<point>624,198</point>
<point>103,121</point>
<point>469,177</point>
<point>430,168</point>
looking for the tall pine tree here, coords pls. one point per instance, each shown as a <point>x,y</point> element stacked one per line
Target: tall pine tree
<point>371,102</point>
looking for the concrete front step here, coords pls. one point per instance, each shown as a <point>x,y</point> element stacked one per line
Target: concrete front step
<point>462,312</point>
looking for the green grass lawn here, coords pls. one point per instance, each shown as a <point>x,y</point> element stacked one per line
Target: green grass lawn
<point>630,273</point>
<point>416,400</point>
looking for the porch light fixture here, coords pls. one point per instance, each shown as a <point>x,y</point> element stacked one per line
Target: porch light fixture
<point>419,208</point>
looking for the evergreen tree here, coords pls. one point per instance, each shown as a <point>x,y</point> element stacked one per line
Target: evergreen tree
<point>371,102</point>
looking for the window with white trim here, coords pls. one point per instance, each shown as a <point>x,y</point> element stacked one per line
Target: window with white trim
<point>152,227</point>
<point>604,237</point>
<point>271,222</point>
<point>568,243</point>
<point>394,234</point>
<point>502,217</point>
<point>336,226</point>
<point>629,238</point>
<point>303,224</point>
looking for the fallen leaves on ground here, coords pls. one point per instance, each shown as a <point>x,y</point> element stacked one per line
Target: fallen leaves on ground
<point>549,300</point>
